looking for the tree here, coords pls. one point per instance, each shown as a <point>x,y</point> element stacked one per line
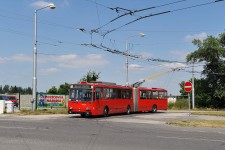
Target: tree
<point>211,51</point>
<point>182,91</point>
<point>202,99</point>
<point>1,90</point>
<point>27,90</point>
<point>53,90</point>
<point>63,88</point>
<point>6,89</point>
<point>15,89</point>
<point>91,76</point>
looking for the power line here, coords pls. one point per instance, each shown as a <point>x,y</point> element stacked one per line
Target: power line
<point>30,19</point>
<point>130,12</point>
<point>161,13</point>
<point>97,12</point>
<point>115,51</point>
<point>94,2</point>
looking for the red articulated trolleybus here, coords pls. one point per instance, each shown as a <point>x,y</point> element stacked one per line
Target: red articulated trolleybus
<point>104,98</point>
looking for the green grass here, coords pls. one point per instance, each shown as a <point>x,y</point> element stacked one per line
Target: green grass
<point>210,113</point>
<point>43,111</point>
<point>181,104</point>
<point>200,123</point>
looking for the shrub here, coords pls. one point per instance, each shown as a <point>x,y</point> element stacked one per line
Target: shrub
<point>179,104</point>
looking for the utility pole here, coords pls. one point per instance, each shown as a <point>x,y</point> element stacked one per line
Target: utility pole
<point>193,87</point>
<point>127,55</point>
<point>127,66</point>
<point>34,81</point>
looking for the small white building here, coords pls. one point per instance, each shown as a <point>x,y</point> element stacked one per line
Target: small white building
<point>172,99</point>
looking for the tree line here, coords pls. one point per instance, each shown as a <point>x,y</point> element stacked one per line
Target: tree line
<point>62,89</point>
<point>210,88</point>
<point>7,89</point>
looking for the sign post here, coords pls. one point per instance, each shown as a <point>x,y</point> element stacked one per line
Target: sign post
<point>188,88</point>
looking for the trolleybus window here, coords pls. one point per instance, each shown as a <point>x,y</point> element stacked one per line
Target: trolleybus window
<point>143,94</point>
<point>98,93</point>
<point>155,95</point>
<point>162,95</point>
<point>81,94</point>
<point>106,93</point>
<point>149,94</point>
<point>126,94</point>
<point>112,93</point>
<point>119,94</point>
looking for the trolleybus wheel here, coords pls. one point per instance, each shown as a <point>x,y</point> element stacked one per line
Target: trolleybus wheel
<point>154,108</point>
<point>83,115</point>
<point>128,110</point>
<point>106,112</point>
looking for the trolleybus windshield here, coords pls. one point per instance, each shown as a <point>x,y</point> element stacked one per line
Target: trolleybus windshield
<point>78,94</point>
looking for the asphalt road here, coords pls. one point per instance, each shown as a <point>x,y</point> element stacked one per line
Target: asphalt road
<point>121,132</point>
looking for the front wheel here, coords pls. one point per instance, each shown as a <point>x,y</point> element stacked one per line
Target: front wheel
<point>83,115</point>
<point>154,108</point>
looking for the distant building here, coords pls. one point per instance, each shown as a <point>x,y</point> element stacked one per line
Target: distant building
<point>172,99</point>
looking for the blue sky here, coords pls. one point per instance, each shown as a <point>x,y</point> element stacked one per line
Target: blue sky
<point>62,57</point>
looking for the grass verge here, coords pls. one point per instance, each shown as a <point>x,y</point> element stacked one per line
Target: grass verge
<point>43,111</point>
<point>210,113</point>
<point>199,123</point>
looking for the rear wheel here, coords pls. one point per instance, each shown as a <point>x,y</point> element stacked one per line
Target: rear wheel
<point>83,115</point>
<point>106,112</point>
<point>154,108</point>
<point>128,110</point>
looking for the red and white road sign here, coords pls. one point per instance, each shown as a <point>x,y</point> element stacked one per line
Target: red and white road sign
<point>188,86</point>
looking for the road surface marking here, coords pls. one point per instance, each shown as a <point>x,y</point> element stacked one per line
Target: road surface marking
<point>195,139</point>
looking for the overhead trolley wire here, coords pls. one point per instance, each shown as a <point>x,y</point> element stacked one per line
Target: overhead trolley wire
<point>161,13</point>
<point>115,51</point>
<point>96,3</point>
<point>130,12</point>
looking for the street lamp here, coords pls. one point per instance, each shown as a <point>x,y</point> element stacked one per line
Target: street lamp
<point>141,35</point>
<point>34,90</point>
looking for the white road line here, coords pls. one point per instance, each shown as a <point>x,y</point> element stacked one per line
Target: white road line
<point>4,127</point>
<point>195,139</point>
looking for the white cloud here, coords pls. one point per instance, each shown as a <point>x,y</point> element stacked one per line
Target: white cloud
<point>48,71</point>
<point>174,65</point>
<point>135,67</point>
<point>200,36</point>
<point>16,58</point>
<point>89,60</point>
<point>75,61</point>
<point>3,60</point>
<point>63,61</point>
<point>22,58</point>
